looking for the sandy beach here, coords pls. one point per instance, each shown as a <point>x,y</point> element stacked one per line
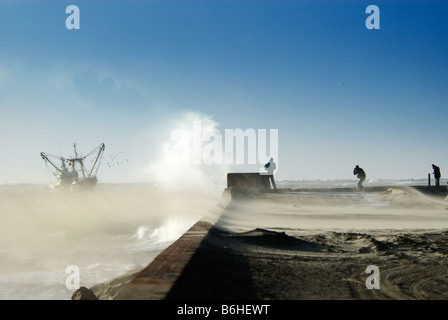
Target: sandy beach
<point>309,246</point>
<point>269,265</point>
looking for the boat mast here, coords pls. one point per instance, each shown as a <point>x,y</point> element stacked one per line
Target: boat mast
<point>81,162</point>
<point>100,152</point>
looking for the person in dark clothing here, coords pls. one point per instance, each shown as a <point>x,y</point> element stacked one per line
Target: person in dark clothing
<point>361,176</point>
<point>436,174</point>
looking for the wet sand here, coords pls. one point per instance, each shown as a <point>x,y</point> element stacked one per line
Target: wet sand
<point>307,246</point>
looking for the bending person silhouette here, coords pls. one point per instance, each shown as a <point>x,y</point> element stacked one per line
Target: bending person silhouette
<point>361,176</point>
<point>437,174</point>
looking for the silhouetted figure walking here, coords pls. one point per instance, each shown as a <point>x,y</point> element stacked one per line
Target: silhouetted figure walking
<point>436,174</point>
<point>361,176</point>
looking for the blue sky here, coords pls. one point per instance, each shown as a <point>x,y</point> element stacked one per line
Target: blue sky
<point>338,93</point>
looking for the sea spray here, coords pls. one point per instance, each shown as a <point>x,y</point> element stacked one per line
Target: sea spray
<point>170,230</point>
<point>176,168</point>
<point>159,235</point>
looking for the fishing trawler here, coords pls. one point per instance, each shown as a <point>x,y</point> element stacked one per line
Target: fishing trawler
<point>77,171</point>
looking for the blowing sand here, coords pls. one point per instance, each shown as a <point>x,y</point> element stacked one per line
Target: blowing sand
<point>291,246</point>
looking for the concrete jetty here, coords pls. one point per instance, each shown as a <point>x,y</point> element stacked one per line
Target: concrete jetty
<point>156,280</point>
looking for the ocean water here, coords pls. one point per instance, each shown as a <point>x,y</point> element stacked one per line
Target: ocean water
<point>44,233</point>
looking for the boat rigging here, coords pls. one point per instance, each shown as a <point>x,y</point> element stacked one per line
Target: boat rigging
<point>74,171</point>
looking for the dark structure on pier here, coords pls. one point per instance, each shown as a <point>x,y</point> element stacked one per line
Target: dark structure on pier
<point>251,180</point>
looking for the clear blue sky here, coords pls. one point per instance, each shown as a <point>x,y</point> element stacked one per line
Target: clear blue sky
<point>338,93</point>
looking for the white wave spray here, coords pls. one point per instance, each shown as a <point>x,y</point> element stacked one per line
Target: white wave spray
<point>176,168</point>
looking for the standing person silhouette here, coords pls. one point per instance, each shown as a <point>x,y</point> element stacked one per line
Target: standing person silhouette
<point>270,167</point>
<point>436,174</point>
<point>361,176</point>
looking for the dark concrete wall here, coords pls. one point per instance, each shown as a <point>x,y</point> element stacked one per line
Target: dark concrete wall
<point>250,180</point>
